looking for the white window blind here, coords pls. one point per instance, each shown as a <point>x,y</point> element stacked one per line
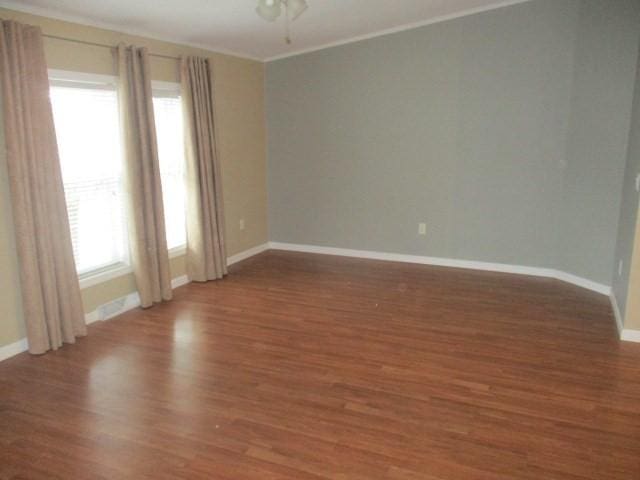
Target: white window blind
<point>167,108</point>
<point>87,129</point>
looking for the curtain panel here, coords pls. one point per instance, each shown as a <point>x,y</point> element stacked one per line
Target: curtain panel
<point>147,236</point>
<point>206,252</point>
<point>49,283</point>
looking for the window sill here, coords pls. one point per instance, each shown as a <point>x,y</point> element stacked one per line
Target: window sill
<point>94,278</point>
<point>177,251</point>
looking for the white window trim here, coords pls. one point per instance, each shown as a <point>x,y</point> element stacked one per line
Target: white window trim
<point>107,273</point>
<point>89,80</point>
<point>171,89</point>
<point>103,275</point>
<point>178,251</point>
<point>110,272</point>
<point>112,80</point>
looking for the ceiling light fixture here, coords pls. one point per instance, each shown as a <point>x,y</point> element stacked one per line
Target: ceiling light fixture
<point>270,10</point>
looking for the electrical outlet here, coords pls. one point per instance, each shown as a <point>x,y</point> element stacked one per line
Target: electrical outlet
<point>620,267</point>
<point>422,229</point>
<point>241,224</point>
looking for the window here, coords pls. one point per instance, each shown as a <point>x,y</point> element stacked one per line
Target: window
<point>85,110</point>
<point>167,108</point>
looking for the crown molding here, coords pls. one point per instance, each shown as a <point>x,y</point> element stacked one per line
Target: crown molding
<point>45,12</point>
<point>398,29</point>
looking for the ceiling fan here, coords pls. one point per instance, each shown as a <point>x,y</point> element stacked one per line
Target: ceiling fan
<point>270,10</point>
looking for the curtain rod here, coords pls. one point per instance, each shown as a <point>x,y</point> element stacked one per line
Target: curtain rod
<point>103,45</point>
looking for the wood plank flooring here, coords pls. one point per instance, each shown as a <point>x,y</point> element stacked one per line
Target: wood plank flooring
<point>301,366</point>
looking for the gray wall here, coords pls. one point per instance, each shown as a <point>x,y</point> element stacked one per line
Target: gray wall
<point>629,206</point>
<point>604,71</point>
<point>474,126</point>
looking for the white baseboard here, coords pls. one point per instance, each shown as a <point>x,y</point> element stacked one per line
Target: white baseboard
<point>180,281</point>
<point>132,300</point>
<point>448,262</point>
<point>580,282</point>
<point>14,348</point>
<point>626,334</point>
<point>92,317</point>
<point>124,304</point>
<point>616,313</point>
<point>630,335</point>
<point>238,257</point>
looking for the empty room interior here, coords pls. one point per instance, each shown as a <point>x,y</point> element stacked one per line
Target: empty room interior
<point>320,239</point>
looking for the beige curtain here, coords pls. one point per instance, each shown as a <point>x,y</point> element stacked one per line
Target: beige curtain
<point>50,292</point>
<point>147,236</point>
<point>206,253</point>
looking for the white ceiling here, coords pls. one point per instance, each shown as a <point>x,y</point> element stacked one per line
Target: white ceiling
<point>232,26</point>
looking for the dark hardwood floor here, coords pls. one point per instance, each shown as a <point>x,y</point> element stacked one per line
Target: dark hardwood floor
<point>303,366</point>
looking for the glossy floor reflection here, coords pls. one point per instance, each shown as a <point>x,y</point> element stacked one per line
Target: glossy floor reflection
<point>304,366</point>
